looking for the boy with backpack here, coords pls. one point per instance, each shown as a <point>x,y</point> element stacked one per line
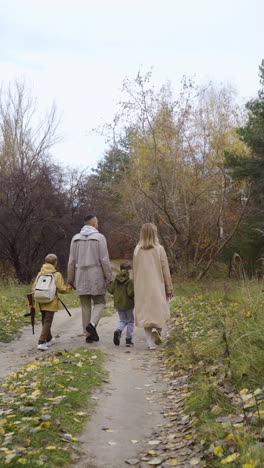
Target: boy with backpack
<point>122,289</point>
<point>45,287</point>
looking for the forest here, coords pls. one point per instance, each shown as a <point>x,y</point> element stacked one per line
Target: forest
<point>191,161</point>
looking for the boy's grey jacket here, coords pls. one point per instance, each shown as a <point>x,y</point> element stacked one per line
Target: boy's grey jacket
<point>89,267</point>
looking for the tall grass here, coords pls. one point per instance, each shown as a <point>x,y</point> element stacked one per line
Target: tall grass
<point>217,336</point>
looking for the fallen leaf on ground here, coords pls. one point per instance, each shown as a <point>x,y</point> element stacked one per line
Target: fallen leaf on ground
<point>155,461</point>
<point>230,458</point>
<point>218,450</point>
<point>195,461</point>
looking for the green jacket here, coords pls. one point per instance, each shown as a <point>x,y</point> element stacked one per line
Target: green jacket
<point>122,288</point>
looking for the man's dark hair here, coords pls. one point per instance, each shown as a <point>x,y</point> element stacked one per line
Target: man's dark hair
<point>89,217</point>
<point>125,266</point>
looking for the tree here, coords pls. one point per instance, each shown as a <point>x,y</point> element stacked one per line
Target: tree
<point>249,168</point>
<point>31,203</point>
<point>176,175</point>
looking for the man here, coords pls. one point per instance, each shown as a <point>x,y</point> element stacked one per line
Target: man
<point>89,271</point>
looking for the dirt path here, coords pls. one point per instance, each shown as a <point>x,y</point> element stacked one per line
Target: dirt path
<point>128,409</point>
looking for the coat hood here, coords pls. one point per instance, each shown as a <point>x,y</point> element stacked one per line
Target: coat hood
<point>47,268</point>
<point>122,277</point>
<point>88,230</point>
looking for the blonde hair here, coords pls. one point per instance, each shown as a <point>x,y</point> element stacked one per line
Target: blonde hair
<point>148,236</point>
<point>51,258</point>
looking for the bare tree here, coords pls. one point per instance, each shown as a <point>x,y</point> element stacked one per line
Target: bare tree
<point>29,202</point>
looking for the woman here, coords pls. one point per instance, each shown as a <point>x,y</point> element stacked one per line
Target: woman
<point>152,283</point>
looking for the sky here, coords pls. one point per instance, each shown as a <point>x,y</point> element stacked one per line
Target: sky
<point>78,52</point>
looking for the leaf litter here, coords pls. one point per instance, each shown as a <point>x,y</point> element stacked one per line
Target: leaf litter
<point>36,400</point>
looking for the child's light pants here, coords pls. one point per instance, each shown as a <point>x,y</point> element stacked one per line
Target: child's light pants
<point>90,314</point>
<point>126,319</point>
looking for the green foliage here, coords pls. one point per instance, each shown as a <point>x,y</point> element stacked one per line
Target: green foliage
<point>217,336</point>
<point>250,169</point>
<point>13,307</point>
<point>41,410</point>
<point>112,166</point>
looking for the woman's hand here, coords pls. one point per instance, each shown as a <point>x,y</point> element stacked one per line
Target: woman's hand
<point>169,296</point>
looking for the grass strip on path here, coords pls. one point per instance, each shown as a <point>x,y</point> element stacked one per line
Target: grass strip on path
<point>43,408</point>
<point>218,339</point>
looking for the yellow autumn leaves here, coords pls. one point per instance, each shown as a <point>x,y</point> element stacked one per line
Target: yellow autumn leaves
<point>41,413</point>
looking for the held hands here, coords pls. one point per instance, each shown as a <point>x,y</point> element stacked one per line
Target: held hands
<point>169,296</point>
<point>69,286</point>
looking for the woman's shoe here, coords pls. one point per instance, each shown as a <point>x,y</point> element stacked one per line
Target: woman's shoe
<point>156,336</point>
<point>153,347</point>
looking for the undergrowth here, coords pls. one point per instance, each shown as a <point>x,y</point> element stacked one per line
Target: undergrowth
<point>217,336</point>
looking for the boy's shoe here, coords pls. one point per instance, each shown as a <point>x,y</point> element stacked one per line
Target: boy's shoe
<point>129,342</point>
<point>92,333</point>
<point>43,347</point>
<point>51,342</point>
<point>153,347</point>
<point>156,336</point>
<point>117,336</point>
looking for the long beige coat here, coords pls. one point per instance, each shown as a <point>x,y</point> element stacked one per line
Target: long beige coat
<point>89,267</point>
<point>152,281</point>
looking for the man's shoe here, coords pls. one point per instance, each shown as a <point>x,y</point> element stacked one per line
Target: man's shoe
<point>42,347</point>
<point>117,336</point>
<point>129,342</point>
<point>156,336</point>
<point>92,333</point>
<point>88,339</point>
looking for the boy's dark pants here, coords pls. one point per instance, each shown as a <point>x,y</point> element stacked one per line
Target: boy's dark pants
<point>46,318</point>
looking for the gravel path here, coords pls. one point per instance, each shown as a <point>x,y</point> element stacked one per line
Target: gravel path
<point>128,407</point>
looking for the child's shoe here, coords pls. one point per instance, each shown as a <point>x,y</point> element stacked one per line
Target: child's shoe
<point>42,347</point>
<point>117,336</point>
<point>129,342</point>
<point>156,336</point>
<point>51,342</point>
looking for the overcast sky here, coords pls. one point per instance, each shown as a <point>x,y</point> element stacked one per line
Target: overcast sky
<point>77,52</point>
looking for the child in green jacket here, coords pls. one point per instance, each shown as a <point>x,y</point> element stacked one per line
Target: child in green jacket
<point>122,289</point>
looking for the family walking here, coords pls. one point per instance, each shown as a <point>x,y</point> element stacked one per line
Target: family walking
<point>90,273</point>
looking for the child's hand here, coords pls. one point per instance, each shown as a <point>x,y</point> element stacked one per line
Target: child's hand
<point>69,286</point>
